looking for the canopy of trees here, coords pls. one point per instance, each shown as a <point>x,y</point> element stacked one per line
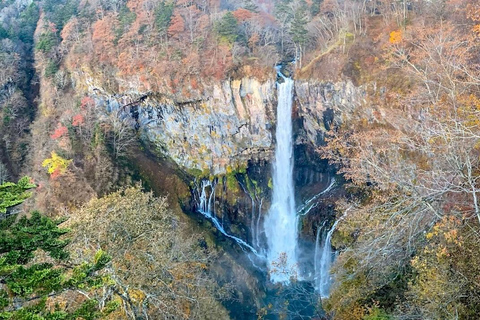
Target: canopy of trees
<point>36,280</point>
<point>160,268</point>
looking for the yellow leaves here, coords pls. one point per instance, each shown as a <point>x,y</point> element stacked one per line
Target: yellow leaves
<point>476,29</point>
<point>395,37</point>
<point>56,165</point>
<point>136,295</point>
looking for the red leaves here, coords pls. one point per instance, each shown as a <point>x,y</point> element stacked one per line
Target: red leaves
<point>60,131</point>
<point>87,102</point>
<point>78,120</point>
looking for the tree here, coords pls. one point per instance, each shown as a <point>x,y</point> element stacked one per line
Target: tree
<point>119,127</point>
<point>177,26</point>
<point>226,28</point>
<point>163,16</point>
<point>27,287</point>
<point>299,33</point>
<point>171,271</point>
<point>12,194</point>
<point>56,165</point>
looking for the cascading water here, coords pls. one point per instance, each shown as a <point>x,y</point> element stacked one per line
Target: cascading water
<point>281,222</point>
<point>324,256</point>
<point>312,203</point>
<point>207,208</point>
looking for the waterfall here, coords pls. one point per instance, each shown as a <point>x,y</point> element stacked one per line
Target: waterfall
<point>310,203</point>
<point>323,260</point>
<point>207,209</point>
<point>281,222</point>
<point>324,257</point>
<point>317,256</point>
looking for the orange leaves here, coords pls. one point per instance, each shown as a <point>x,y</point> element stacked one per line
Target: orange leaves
<point>60,131</point>
<point>177,26</point>
<point>476,29</point>
<point>473,13</point>
<point>103,38</point>
<point>395,37</point>
<point>254,39</point>
<point>78,120</point>
<point>133,5</point>
<point>242,14</point>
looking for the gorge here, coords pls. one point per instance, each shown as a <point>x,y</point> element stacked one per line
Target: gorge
<point>239,159</point>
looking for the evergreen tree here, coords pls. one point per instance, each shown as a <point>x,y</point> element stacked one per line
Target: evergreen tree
<point>298,30</point>
<point>250,5</point>
<point>315,7</point>
<point>163,16</point>
<point>12,194</point>
<point>227,28</point>
<point>25,287</point>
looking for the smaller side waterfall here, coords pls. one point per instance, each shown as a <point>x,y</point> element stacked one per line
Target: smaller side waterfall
<point>324,256</point>
<point>255,218</point>
<point>312,203</point>
<point>207,209</point>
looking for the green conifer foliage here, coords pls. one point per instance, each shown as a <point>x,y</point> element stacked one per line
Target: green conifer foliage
<point>25,287</point>
<point>163,16</point>
<point>227,28</point>
<point>12,194</point>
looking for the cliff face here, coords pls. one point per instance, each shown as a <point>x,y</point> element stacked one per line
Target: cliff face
<point>231,122</point>
<point>228,126</point>
<point>321,104</point>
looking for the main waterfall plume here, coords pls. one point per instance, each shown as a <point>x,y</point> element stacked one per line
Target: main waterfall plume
<point>281,222</point>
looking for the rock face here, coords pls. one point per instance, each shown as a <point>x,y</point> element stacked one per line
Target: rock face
<point>232,122</point>
<point>321,104</point>
<point>228,126</point>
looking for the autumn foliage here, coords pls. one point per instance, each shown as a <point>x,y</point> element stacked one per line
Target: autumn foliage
<point>56,165</point>
<point>412,155</point>
<point>59,132</point>
<point>395,37</point>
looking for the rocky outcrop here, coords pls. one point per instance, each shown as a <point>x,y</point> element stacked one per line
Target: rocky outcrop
<point>232,122</point>
<point>322,104</point>
<point>226,126</point>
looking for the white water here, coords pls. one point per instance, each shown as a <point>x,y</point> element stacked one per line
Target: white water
<point>310,204</point>
<point>324,257</point>
<point>323,260</point>
<point>255,217</point>
<point>281,221</point>
<point>207,209</point>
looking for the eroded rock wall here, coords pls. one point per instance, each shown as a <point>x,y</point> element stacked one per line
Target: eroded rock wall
<point>232,122</point>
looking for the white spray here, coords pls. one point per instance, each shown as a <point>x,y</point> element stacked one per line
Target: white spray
<point>281,222</point>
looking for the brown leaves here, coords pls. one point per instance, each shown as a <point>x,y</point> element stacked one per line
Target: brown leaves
<point>103,38</point>
<point>155,259</point>
<point>177,26</point>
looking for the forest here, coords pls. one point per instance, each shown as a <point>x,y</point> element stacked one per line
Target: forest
<point>140,145</point>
